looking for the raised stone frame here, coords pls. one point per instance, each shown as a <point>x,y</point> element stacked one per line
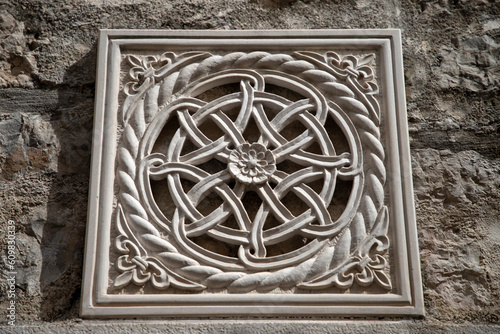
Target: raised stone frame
<point>251,174</point>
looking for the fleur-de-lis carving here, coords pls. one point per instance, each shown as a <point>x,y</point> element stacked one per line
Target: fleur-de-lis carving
<point>357,67</point>
<point>143,70</point>
<point>135,269</point>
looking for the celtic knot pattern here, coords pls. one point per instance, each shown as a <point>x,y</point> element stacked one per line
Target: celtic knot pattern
<point>273,142</point>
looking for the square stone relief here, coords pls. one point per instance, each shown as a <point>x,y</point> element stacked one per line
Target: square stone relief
<point>251,173</point>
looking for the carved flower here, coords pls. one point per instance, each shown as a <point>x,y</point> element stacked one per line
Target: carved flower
<point>251,163</point>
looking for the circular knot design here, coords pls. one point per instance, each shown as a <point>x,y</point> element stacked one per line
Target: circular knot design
<point>251,163</point>
<point>279,183</point>
<point>262,166</point>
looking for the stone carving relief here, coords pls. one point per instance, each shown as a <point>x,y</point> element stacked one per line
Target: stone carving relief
<point>250,173</point>
<point>236,144</point>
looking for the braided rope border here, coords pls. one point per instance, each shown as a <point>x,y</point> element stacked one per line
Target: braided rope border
<point>354,256</point>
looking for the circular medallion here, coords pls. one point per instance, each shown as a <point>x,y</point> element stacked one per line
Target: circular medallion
<point>263,170</point>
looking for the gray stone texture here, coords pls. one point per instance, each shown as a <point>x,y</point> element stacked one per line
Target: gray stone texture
<point>452,71</point>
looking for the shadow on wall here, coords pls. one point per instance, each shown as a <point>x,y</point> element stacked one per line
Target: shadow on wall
<point>63,238</point>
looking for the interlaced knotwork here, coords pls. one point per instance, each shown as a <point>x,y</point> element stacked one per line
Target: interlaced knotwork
<point>160,249</point>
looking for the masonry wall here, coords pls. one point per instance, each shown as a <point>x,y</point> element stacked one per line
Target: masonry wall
<point>452,72</point>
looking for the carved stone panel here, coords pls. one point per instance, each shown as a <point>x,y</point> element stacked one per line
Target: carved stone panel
<point>251,173</point>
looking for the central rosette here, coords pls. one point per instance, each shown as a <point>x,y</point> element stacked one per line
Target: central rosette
<point>251,163</point>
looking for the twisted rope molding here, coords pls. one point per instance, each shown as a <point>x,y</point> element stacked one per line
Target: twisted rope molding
<point>356,255</point>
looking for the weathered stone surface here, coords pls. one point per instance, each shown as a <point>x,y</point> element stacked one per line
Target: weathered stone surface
<point>457,209</point>
<point>17,63</point>
<point>252,326</point>
<point>47,70</point>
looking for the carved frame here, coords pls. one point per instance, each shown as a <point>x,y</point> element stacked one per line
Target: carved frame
<point>354,77</point>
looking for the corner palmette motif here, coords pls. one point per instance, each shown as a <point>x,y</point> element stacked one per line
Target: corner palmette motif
<point>159,250</point>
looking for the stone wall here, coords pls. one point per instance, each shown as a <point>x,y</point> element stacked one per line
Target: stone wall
<point>452,71</point>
